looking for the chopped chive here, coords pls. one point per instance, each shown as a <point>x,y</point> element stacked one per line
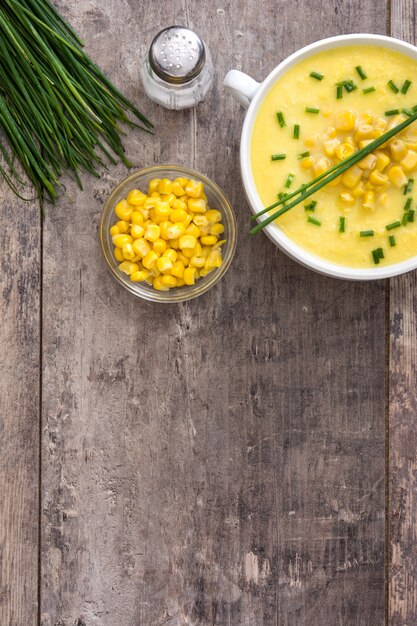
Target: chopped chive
<point>392,112</point>
<point>393,86</point>
<point>368,90</point>
<point>380,253</point>
<point>296,132</point>
<point>375,256</point>
<point>367,233</point>
<point>361,72</point>
<point>281,120</point>
<point>342,222</point>
<point>409,186</point>
<point>310,206</point>
<point>407,205</point>
<point>406,86</point>
<point>312,110</point>
<point>282,196</point>
<point>339,92</point>
<point>350,85</point>
<point>407,112</point>
<point>405,219</point>
<point>393,225</point>
<point>313,220</point>
<point>303,155</point>
<point>391,240</point>
<point>278,157</point>
<point>411,215</point>
<point>316,75</point>
<point>414,108</point>
<point>289,180</point>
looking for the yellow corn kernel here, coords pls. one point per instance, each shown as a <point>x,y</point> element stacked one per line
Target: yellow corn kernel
<point>359,190</point>
<point>214,259</point>
<point>214,216</point>
<point>307,162</point>
<point>174,243</point>
<point>183,182</point>
<point>344,151</point>
<point>171,255</point>
<point>128,252</point>
<point>150,203</point>
<point>120,240</point>
<point>364,131</point>
<point>189,275</point>
<point>394,121</point>
<point>137,218</point>
<point>330,146</point>
<point>352,177</point>
<point>335,182</point>
<point>179,205</point>
<point>164,264</point>
<point>368,118</point>
<point>194,189</point>
<point>209,240</point>
<point>141,247</point>
<point>136,197</point>
<point>178,269</point>
<point>321,166</point>
<point>152,232</point>
<point>376,134</point>
<point>184,260</point>
<point>165,186</point>
<point>383,199</point>
<point>153,185</point>
<point>347,198</point>
<point>345,121</point>
<point>178,215</point>
<point>193,230</point>
<point>189,252</point>
<point>410,141</point>
<point>197,261</point>
<point>159,246</point>
<point>180,282</point>
<point>118,255</point>
<point>127,267</point>
<point>155,195</point>
<point>364,142</point>
<point>159,285</point>
<point>123,210</point>
<point>150,259</point>
<point>395,174</point>
<point>169,281</point>
<point>409,162</point>
<point>197,205</point>
<point>141,275</point>
<point>161,212</point>
<point>114,230</point>
<point>123,226</point>
<point>377,178</point>
<point>369,200</point>
<point>382,160</point>
<point>217,229</point>
<point>398,149</point>
<point>163,229</point>
<point>368,162</point>
<point>331,132</point>
<point>177,189</point>
<point>311,142</point>
<point>176,230</point>
<point>200,221</point>
<point>137,231</point>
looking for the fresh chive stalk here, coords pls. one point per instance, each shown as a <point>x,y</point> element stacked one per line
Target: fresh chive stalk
<point>393,225</point>
<point>405,219</point>
<point>391,240</point>
<point>342,224</point>
<point>316,75</point>
<point>407,204</point>
<point>361,72</point>
<point>308,189</point>
<point>368,90</point>
<point>393,86</point>
<point>311,206</point>
<point>405,86</point>
<point>408,188</point>
<point>392,112</point>
<point>367,233</point>
<point>339,92</point>
<point>304,155</point>
<point>312,110</point>
<point>377,255</point>
<point>278,157</point>
<point>280,118</point>
<point>411,215</point>
<point>289,180</point>
<point>313,220</point>
<point>296,131</point>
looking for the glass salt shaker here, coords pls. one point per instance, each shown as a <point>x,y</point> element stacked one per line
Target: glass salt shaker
<point>177,72</point>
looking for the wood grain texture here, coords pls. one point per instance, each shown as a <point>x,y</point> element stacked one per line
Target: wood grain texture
<point>222,461</point>
<point>402,575</point>
<point>19,409</point>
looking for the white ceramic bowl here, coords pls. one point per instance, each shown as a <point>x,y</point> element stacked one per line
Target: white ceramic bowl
<point>251,94</point>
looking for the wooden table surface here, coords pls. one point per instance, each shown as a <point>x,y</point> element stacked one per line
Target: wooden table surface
<point>247,458</point>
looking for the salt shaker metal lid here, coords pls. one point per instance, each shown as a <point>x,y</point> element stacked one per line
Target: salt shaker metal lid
<point>177,55</point>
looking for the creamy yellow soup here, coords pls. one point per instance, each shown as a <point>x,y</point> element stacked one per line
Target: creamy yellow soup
<point>290,95</point>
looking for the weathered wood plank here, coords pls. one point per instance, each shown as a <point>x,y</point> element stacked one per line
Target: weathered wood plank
<point>19,409</point>
<point>222,461</point>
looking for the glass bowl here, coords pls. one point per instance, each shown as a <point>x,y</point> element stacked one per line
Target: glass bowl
<point>216,200</point>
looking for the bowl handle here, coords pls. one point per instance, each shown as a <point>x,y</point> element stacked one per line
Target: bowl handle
<point>241,86</point>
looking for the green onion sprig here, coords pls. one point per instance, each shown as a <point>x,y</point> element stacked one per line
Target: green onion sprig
<point>316,75</point>
<point>278,157</point>
<point>406,86</point>
<point>361,72</point>
<point>368,90</point>
<point>296,131</point>
<point>281,119</point>
<point>393,86</point>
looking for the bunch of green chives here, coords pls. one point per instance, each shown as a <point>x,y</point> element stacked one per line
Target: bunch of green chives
<point>58,111</point>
